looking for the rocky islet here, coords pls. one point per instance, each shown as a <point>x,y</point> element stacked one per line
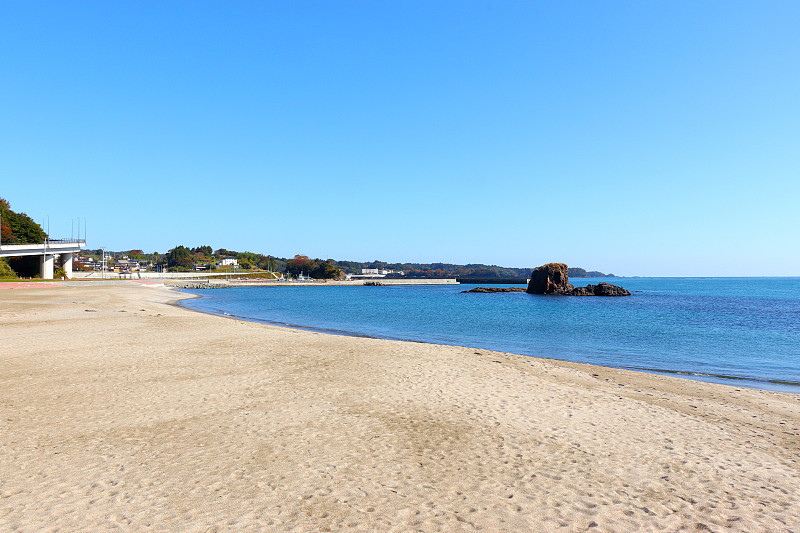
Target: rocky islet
<point>553,278</point>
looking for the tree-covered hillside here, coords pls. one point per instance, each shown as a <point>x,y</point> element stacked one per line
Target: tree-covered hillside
<point>19,228</point>
<point>449,270</point>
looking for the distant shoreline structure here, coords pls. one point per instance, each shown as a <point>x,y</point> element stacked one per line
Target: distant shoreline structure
<point>233,283</point>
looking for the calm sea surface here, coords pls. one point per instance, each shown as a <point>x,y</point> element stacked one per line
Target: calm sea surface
<point>740,331</point>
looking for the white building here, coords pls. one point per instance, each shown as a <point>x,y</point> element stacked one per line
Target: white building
<point>373,273</point>
<point>376,272</point>
<point>229,261</point>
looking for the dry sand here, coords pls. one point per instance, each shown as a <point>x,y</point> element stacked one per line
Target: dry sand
<point>119,411</point>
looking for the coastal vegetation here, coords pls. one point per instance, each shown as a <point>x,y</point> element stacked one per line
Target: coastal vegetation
<point>180,258</point>
<point>449,270</point>
<point>581,273</point>
<point>5,270</point>
<point>19,228</point>
<point>315,268</point>
<point>184,259</point>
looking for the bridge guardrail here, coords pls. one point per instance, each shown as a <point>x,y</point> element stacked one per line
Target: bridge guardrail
<point>47,241</point>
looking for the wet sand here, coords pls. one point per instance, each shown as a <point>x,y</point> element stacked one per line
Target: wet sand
<point>120,411</point>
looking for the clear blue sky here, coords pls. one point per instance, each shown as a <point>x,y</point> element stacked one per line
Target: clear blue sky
<point>640,138</point>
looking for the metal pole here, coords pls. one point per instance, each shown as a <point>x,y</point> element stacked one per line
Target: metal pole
<point>44,259</point>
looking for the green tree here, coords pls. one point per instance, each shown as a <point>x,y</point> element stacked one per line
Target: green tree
<point>316,268</point>
<point>179,258</point>
<point>6,235</point>
<point>5,270</point>
<point>299,264</point>
<point>19,226</point>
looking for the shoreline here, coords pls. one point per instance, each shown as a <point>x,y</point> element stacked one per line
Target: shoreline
<point>789,387</point>
<point>126,411</point>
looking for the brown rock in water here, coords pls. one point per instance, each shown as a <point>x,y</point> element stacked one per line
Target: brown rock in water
<point>494,289</point>
<point>601,289</point>
<point>551,278</point>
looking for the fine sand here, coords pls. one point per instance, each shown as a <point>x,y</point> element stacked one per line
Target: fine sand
<point>119,411</point>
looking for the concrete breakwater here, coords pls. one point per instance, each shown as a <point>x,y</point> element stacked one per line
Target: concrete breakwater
<point>197,284</point>
<point>384,281</point>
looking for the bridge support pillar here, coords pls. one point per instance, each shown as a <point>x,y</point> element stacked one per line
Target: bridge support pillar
<point>66,260</point>
<point>46,271</point>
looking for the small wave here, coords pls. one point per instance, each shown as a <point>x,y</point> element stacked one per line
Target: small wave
<point>721,377</point>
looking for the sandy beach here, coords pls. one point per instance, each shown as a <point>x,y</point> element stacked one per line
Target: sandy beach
<point>121,411</point>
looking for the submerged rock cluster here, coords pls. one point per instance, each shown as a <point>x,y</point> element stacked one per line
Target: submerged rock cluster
<point>495,289</point>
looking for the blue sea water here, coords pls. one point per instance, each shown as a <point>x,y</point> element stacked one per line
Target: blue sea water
<point>740,331</point>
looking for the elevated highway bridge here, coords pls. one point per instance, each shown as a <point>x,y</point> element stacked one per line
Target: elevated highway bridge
<point>48,250</point>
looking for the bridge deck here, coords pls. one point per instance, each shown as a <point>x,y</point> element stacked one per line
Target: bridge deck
<point>61,246</point>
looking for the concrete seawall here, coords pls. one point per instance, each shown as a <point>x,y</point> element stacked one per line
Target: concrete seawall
<point>383,281</point>
<point>222,284</point>
<point>147,275</point>
<point>204,277</point>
